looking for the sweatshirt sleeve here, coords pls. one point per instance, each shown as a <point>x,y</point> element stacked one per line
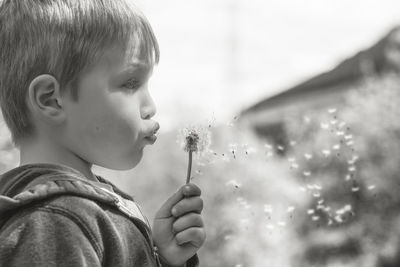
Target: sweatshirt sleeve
<point>43,238</point>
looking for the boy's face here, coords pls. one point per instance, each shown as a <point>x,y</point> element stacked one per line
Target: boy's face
<point>110,124</point>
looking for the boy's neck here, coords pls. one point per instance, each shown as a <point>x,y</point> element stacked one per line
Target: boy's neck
<point>38,151</point>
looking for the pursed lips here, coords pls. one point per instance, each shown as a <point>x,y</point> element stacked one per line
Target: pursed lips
<point>151,135</point>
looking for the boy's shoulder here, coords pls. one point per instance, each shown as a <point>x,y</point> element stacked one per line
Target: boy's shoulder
<point>60,210</point>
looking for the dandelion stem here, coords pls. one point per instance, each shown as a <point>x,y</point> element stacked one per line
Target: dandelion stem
<point>189,167</point>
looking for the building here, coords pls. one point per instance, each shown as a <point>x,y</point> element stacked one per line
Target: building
<point>324,90</point>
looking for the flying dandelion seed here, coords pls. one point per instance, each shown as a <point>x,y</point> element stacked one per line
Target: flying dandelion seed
<point>348,137</point>
<point>310,186</point>
<point>291,159</point>
<point>290,209</point>
<point>324,126</point>
<point>270,226</point>
<point>310,211</point>
<point>306,173</point>
<point>326,152</point>
<point>303,189</point>
<point>268,146</point>
<point>336,147</point>
<point>333,122</point>
<point>280,148</point>
<point>371,187</point>
<point>317,187</point>
<point>348,177</point>
<point>355,189</point>
<point>308,156</point>
<point>338,219</point>
<point>315,218</point>
<point>307,119</point>
<point>352,169</point>
<point>342,124</point>
<point>293,143</point>
<point>281,224</point>
<point>332,110</point>
<point>339,133</point>
<point>316,194</point>
<point>233,183</point>
<point>268,208</point>
<point>349,143</point>
<point>294,166</point>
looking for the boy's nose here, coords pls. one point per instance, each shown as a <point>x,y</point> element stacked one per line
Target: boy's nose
<point>148,110</point>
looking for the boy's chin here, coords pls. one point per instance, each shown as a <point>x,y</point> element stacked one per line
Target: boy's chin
<point>124,165</point>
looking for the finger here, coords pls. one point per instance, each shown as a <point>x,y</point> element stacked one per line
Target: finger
<point>195,235</point>
<point>191,190</point>
<point>186,205</point>
<point>187,221</point>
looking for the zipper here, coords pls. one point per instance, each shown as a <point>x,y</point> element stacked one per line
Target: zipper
<point>146,230</point>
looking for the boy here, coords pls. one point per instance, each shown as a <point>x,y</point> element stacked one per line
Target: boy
<point>73,92</point>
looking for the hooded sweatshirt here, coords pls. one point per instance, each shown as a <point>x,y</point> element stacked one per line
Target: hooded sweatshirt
<point>51,215</point>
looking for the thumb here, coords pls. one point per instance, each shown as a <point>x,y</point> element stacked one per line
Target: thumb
<point>165,210</point>
<point>188,190</point>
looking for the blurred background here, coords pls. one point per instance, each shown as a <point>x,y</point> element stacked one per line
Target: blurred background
<point>301,98</point>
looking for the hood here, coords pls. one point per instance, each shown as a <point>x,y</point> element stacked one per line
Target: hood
<point>33,182</point>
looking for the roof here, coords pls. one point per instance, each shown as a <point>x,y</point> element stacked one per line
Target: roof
<point>379,58</point>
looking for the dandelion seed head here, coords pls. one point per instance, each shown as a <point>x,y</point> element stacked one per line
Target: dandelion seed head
<point>195,139</point>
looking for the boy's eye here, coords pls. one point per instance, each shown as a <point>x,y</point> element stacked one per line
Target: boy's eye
<point>132,84</point>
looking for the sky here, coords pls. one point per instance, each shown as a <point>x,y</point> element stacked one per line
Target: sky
<point>219,57</point>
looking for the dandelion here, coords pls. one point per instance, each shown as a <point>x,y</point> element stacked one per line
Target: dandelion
<point>194,139</point>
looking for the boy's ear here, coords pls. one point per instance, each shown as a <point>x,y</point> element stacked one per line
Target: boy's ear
<point>44,98</point>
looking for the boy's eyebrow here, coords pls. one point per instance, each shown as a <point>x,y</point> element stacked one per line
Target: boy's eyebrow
<point>138,69</point>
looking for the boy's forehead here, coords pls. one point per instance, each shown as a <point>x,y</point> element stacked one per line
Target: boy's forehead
<point>118,58</point>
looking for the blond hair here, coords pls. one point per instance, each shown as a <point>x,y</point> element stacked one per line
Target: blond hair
<point>62,38</point>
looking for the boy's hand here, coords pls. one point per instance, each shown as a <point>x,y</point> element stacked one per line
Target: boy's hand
<point>178,229</point>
